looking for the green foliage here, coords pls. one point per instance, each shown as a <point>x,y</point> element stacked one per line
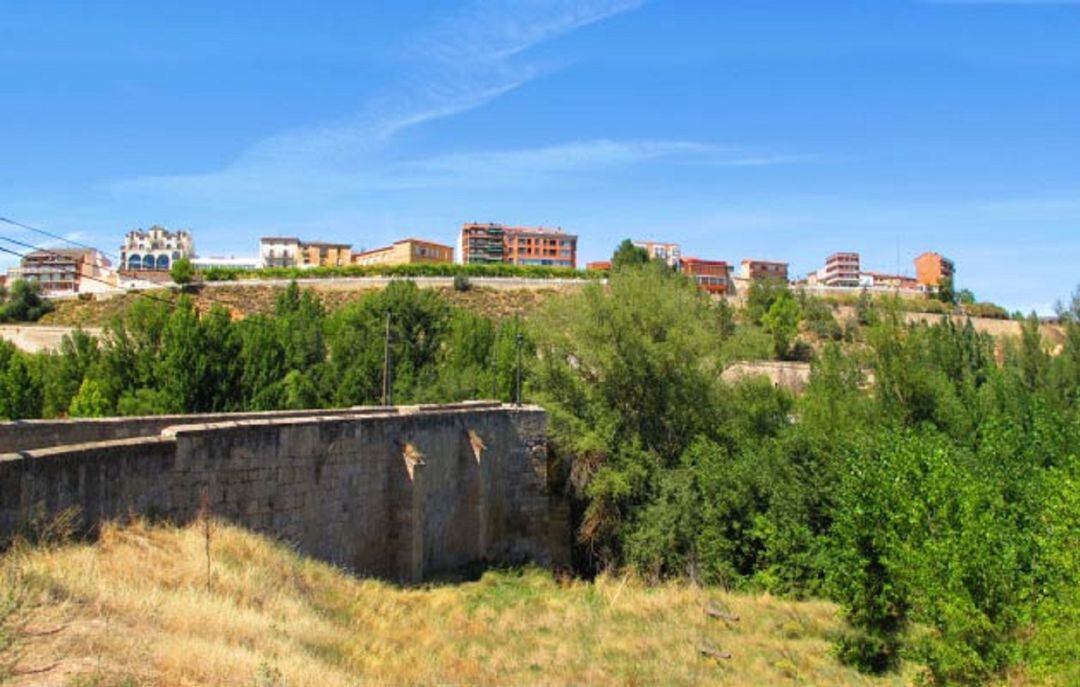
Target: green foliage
<point>925,480</point>
<point>761,296</point>
<point>946,291</point>
<point>865,313</point>
<point>630,377</point>
<point>781,321</point>
<point>747,342</point>
<point>406,271</point>
<point>22,302</point>
<point>90,401</point>
<point>819,318</point>
<point>182,272</point>
<point>21,391</point>
<point>986,310</point>
<point>356,339</point>
<point>628,255</point>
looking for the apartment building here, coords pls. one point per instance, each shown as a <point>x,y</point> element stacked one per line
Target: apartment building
<point>406,252</point>
<point>932,268</point>
<point>713,276</point>
<point>156,248</point>
<point>763,269</point>
<point>481,244</point>
<point>64,271</point>
<point>323,254</point>
<point>841,269</point>
<point>889,281</point>
<point>289,251</point>
<point>670,253</point>
<point>495,243</point>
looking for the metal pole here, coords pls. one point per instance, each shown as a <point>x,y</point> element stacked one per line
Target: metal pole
<point>495,367</point>
<point>520,339</point>
<point>387,387</point>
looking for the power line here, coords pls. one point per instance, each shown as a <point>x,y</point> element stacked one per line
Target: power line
<point>83,276</point>
<point>12,222</point>
<point>88,247</point>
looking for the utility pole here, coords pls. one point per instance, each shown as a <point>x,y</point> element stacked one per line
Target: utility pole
<point>519,339</point>
<point>387,387</point>
<point>495,367</point>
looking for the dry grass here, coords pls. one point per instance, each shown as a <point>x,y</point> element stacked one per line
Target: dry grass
<point>134,609</point>
<point>244,300</point>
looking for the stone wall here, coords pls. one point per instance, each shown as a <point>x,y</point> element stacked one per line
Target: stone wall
<point>397,493</point>
<point>22,435</point>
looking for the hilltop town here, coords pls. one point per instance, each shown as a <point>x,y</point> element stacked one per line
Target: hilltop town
<point>146,257</point>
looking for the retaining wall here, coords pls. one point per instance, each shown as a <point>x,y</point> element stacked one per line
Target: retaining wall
<point>399,493</point>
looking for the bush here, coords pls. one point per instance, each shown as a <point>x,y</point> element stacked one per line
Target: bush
<point>986,310</point>
<point>462,283</point>
<point>418,270</point>
<point>182,272</point>
<point>23,302</point>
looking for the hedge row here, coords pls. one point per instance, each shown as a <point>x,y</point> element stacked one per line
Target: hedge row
<point>419,270</point>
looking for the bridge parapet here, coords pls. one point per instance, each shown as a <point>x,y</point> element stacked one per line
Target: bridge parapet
<point>400,493</point>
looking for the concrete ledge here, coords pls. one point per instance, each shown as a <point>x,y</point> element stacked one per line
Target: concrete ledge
<point>22,435</point>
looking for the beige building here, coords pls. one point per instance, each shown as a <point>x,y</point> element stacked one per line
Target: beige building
<point>670,253</point>
<point>155,249</point>
<point>405,252</point>
<point>289,251</point>
<point>319,254</point>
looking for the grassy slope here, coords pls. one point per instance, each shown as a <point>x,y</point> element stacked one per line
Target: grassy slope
<point>246,300</point>
<point>134,609</point>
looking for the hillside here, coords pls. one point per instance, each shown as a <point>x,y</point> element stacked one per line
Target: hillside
<point>245,300</point>
<point>135,609</point>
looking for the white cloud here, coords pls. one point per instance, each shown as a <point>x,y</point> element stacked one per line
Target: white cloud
<point>464,62</point>
<point>500,168</point>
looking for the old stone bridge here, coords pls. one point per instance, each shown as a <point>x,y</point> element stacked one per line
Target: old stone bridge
<point>400,493</point>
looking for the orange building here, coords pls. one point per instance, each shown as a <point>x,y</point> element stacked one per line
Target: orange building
<point>764,269</point>
<point>931,268</point>
<point>598,266</point>
<point>711,275</point>
<point>494,243</point>
<point>405,252</point>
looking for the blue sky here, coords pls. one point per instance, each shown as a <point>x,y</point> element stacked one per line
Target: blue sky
<point>751,128</point>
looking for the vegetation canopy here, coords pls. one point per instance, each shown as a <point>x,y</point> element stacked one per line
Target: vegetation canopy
<point>927,480</point>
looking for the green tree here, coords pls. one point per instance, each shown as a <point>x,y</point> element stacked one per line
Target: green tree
<point>182,272</point>
<point>782,323</point>
<point>628,255</point>
<point>21,392</point>
<point>356,335</point>
<point>23,302</point>
<point>90,401</point>
<point>946,291</point>
<point>629,374</point>
<point>761,295</point>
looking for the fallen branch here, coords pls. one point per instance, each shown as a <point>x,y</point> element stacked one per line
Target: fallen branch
<point>44,633</point>
<point>715,610</point>
<point>710,650</point>
<point>34,671</point>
